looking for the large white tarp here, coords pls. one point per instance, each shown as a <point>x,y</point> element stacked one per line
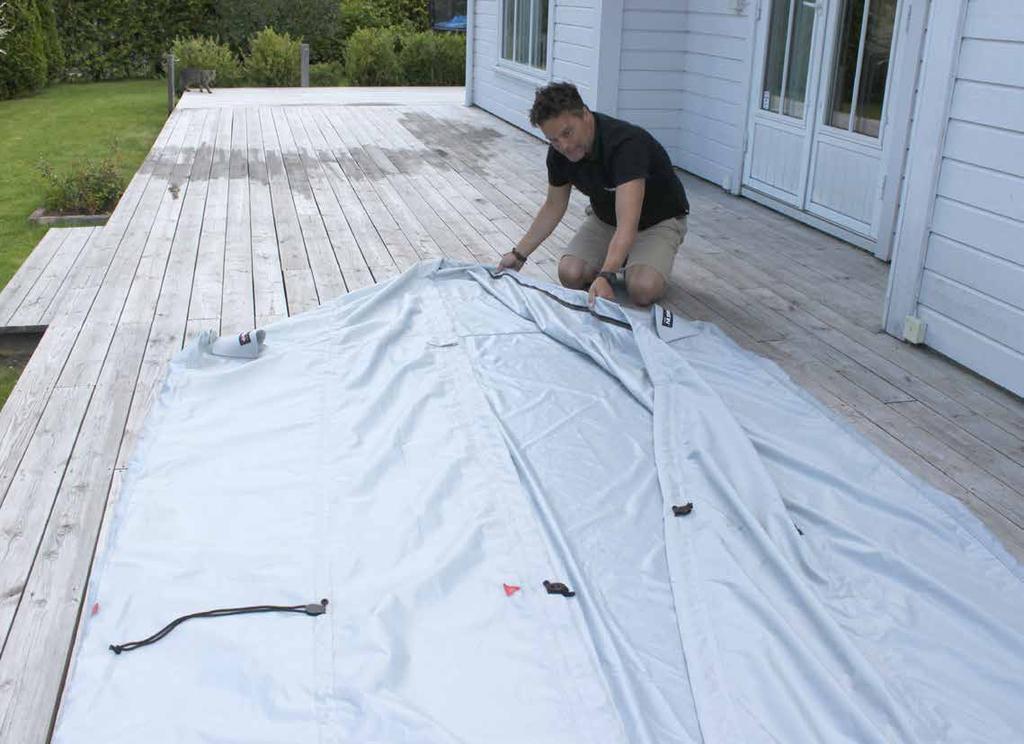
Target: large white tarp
<point>415,451</point>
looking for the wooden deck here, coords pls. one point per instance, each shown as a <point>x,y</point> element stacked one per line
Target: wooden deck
<point>250,208</point>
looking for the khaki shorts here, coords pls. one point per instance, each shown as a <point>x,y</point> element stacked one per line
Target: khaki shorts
<point>655,247</point>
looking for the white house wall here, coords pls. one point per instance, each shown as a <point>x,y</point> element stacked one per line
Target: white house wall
<point>685,76</point>
<point>509,94</point>
<point>968,271</point>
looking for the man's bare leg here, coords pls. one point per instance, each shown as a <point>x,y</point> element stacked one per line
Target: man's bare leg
<point>575,273</point>
<point>644,284</point>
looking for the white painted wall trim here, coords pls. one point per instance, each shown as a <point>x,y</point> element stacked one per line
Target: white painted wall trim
<point>753,15</point>
<point>911,29</point>
<point>942,50</point>
<point>470,52</point>
<point>609,57</point>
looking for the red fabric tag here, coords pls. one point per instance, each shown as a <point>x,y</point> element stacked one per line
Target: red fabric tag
<point>95,609</point>
<point>510,590</point>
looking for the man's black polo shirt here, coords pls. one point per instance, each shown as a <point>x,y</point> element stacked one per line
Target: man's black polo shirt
<point>622,152</point>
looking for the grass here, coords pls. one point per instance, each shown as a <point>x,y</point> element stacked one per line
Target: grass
<point>62,124</point>
<point>8,376</point>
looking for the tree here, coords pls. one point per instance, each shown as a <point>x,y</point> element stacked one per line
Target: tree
<point>4,28</point>
<point>51,40</point>
<point>23,66</point>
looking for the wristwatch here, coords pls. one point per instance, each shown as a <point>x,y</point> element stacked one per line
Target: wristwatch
<point>519,256</point>
<point>609,276</point>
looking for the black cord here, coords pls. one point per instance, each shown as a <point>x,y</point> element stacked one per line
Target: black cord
<point>307,609</point>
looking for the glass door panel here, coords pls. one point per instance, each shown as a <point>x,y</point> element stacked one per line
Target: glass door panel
<point>787,58</point>
<point>861,65</point>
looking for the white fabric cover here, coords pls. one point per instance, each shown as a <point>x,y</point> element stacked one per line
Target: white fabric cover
<point>409,449</point>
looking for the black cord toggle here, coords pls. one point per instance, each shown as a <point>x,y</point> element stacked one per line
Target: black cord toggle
<point>682,511</point>
<point>556,587</point>
<point>307,609</point>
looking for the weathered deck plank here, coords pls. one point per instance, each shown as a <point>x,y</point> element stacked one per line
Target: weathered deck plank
<point>248,211</point>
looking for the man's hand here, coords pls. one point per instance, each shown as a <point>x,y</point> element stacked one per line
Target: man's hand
<point>509,261</point>
<point>600,287</point>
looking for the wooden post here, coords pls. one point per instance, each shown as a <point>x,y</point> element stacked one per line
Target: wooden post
<point>169,66</point>
<point>304,65</point>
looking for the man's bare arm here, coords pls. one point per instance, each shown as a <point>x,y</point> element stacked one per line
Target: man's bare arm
<point>547,218</point>
<point>629,200</point>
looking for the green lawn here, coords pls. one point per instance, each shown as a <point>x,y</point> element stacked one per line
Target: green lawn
<point>8,376</point>
<point>62,124</point>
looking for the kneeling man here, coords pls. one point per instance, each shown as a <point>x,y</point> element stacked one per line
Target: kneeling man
<point>637,213</point>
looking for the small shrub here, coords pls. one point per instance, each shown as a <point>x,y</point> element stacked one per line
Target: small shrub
<point>371,59</point>
<point>273,59</point>
<point>208,54</point>
<point>89,187</point>
<point>326,74</point>
<point>429,58</point>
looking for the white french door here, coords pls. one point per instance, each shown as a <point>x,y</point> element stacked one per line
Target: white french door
<point>817,131</point>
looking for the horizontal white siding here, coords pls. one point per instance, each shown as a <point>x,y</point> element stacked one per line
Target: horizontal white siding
<point>972,286</point>
<point>685,70</point>
<point>573,58</point>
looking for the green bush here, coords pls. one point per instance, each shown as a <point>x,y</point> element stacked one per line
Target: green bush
<point>89,187</point>
<point>326,74</point>
<point>357,14</point>
<point>51,40</point>
<point>429,58</point>
<point>371,57</point>
<point>208,54</point>
<point>273,59</point>
<point>23,65</point>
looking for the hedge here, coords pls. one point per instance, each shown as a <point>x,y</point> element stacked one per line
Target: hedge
<point>394,56</point>
<point>117,39</point>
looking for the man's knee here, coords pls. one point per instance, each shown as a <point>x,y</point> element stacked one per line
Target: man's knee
<point>574,273</point>
<point>645,286</point>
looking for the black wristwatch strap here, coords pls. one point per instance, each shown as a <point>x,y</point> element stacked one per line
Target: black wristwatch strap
<point>609,276</point>
<point>519,255</point>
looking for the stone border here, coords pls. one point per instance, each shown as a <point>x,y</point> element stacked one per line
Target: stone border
<point>40,217</point>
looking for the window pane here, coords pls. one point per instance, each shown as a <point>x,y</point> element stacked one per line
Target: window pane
<point>508,26</point>
<point>771,91</point>
<point>875,67</point>
<point>525,32</point>
<point>799,56</point>
<point>540,51</point>
<point>522,31</point>
<point>845,69</point>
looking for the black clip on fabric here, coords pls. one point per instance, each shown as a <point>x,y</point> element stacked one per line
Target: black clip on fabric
<point>556,587</point>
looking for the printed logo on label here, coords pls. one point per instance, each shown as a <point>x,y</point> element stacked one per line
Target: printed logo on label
<point>666,318</point>
<point>244,338</point>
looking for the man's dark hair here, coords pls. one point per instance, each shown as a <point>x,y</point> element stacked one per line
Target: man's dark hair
<point>554,100</point>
